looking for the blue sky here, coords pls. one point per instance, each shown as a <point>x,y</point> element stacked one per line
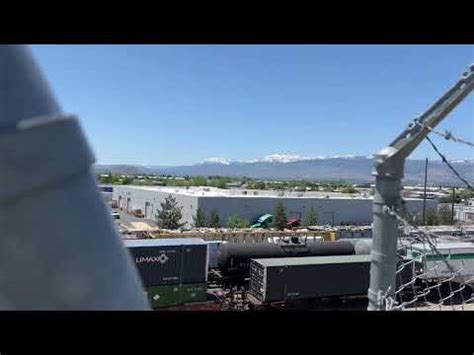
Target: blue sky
<point>174,105</point>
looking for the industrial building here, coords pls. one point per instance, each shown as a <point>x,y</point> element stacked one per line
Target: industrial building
<point>464,214</point>
<point>332,208</point>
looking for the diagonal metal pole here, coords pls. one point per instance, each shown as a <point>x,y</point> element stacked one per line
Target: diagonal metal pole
<point>58,246</point>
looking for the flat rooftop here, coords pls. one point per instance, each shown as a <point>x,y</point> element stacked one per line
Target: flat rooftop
<point>446,246</point>
<point>315,260</point>
<point>248,193</point>
<point>165,242</point>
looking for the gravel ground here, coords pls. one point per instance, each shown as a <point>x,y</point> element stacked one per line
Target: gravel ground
<point>433,307</point>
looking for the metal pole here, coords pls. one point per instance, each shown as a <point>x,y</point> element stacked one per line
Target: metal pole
<point>389,166</point>
<point>424,192</point>
<point>452,206</point>
<point>385,230</point>
<point>59,248</point>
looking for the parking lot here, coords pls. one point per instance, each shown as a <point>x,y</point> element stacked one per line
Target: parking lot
<point>130,222</point>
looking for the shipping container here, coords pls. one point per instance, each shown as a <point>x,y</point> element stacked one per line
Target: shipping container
<point>205,306</point>
<point>170,261</point>
<point>284,279</point>
<point>190,293</point>
<point>174,295</point>
<point>234,258</point>
<point>163,296</point>
<point>449,257</point>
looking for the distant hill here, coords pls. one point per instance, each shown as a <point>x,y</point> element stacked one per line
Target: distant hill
<point>348,168</point>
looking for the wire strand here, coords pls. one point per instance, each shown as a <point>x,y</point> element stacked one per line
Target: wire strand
<point>447,135</point>
<point>448,164</point>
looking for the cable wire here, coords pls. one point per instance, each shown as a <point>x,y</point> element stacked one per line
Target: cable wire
<point>448,164</point>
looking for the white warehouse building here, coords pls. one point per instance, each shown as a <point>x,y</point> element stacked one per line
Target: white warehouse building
<point>332,208</point>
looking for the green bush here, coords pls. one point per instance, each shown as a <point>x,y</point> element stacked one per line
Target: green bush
<point>235,221</point>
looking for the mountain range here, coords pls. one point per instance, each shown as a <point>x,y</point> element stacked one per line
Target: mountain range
<point>350,168</point>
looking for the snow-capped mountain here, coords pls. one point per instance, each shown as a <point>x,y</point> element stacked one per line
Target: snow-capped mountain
<point>293,166</point>
<point>216,160</point>
<point>283,158</point>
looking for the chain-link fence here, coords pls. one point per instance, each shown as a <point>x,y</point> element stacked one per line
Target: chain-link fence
<point>432,273</point>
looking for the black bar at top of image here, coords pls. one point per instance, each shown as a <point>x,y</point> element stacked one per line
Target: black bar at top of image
<point>357,35</point>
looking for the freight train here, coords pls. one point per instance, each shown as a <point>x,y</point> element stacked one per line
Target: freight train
<point>186,271</point>
<point>234,259</point>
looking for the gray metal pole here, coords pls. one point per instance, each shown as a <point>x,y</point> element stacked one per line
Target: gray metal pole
<point>385,228</point>
<point>424,192</point>
<point>452,206</point>
<point>389,168</point>
<point>59,249</point>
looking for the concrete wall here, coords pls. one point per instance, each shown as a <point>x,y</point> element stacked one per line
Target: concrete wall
<point>344,210</point>
<point>350,211</point>
<point>464,213</point>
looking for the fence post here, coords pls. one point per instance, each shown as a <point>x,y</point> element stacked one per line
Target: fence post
<point>384,245</point>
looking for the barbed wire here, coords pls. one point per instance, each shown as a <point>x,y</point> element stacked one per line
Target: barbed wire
<point>409,261</point>
<point>443,158</point>
<point>447,134</point>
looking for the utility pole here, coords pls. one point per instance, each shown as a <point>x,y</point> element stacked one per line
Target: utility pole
<point>424,192</point>
<point>389,165</point>
<point>452,206</point>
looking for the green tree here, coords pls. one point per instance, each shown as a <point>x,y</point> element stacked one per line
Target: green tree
<point>445,215</point>
<point>279,217</point>
<point>127,180</point>
<point>214,221</point>
<point>310,218</point>
<point>348,190</point>
<point>328,188</point>
<point>449,199</point>
<point>466,195</point>
<point>258,185</point>
<point>218,182</point>
<point>169,216</point>
<point>432,217</point>
<point>235,221</point>
<point>199,181</point>
<point>413,218</point>
<point>199,220</point>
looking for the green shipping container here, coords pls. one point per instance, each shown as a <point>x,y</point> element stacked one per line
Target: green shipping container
<point>173,295</point>
<point>163,296</point>
<point>193,293</point>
